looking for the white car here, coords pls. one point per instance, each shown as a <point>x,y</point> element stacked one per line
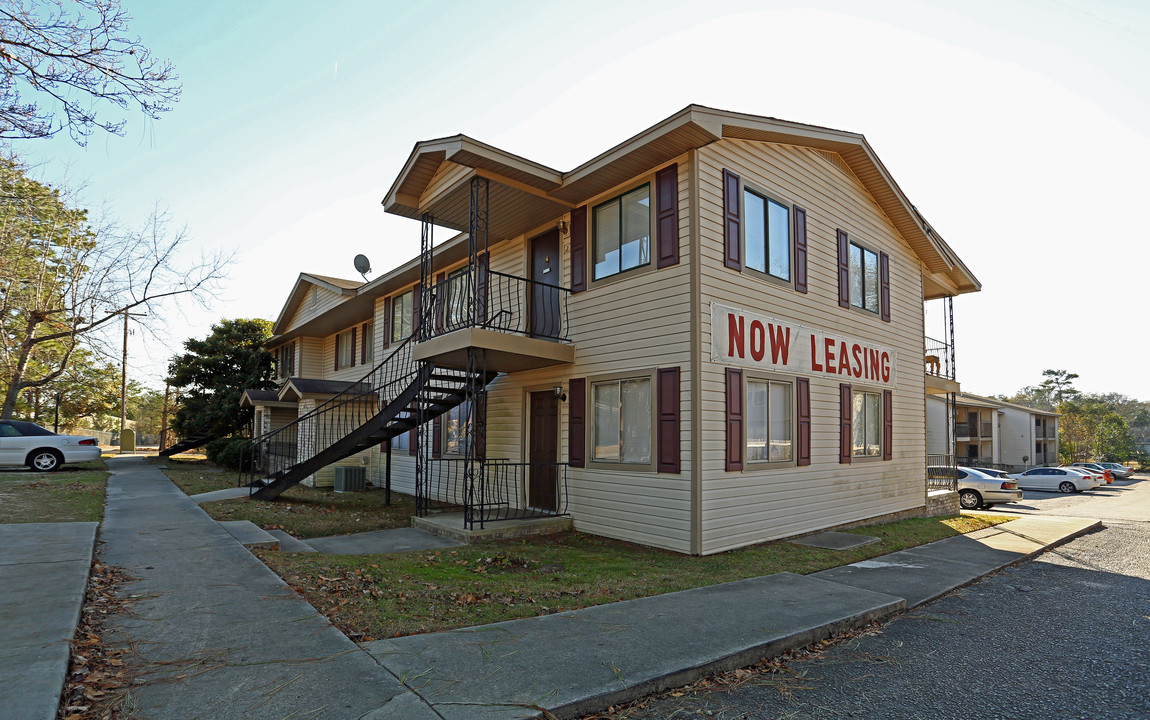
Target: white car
<point>1065,480</point>
<point>977,488</point>
<point>1094,476</point>
<point>26,443</point>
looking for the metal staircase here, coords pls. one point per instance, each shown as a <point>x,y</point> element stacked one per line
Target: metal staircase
<point>397,395</point>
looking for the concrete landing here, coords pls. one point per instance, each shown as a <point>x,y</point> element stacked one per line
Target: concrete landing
<point>290,544</point>
<point>249,534</point>
<point>381,541</point>
<point>44,574</point>
<point>225,494</point>
<point>451,525</point>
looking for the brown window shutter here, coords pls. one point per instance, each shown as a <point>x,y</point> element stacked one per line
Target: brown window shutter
<point>363,346</point>
<point>668,411</point>
<point>440,295</point>
<point>578,249</point>
<point>884,285</point>
<point>352,348</point>
<point>335,365</point>
<point>437,436</point>
<point>291,359</point>
<point>800,249</point>
<point>481,426</point>
<point>667,216</point>
<point>844,270</point>
<point>386,322</point>
<point>413,434</point>
<point>887,424</point>
<point>803,456</point>
<point>732,242</point>
<point>577,422</point>
<point>734,420</point>
<point>846,439</point>
<point>416,308</point>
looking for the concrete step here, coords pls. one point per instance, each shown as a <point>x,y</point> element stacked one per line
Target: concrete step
<point>249,534</point>
<point>291,544</point>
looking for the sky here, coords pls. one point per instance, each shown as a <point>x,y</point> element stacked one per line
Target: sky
<point>1019,128</point>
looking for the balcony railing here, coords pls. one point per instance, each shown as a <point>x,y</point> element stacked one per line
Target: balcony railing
<point>941,472</point>
<point>505,489</point>
<point>937,359</point>
<point>497,301</point>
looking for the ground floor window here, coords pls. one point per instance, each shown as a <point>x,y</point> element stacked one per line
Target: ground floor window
<point>621,421</point>
<point>866,419</point>
<point>770,421</point>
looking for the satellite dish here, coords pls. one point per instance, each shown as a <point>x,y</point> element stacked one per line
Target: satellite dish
<point>362,265</point>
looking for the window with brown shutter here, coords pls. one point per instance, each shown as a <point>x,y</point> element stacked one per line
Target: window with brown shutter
<point>844,269</point>
<point>734,383</point>
<point>437,437</point>
<point>887,425</point>
<point>803,436</point>
<point>732,239</point>
<point>667,216</point>
<point>579,249</point>
<point>800,248</point>
<point>351,349</point>
<point>669,421</point>
<point>386,322</point>
<point>846,400</point>
<point>577,422</point>
<point>884,285</point>
<point>416,308</point>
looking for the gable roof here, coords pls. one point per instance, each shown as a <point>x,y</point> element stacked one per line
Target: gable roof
<point>304,283</point>
<point>531,193</point>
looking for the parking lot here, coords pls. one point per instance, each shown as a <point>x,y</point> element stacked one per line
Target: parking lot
<point>1127,500</point>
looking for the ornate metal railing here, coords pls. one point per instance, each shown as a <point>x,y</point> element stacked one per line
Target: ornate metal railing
<point>332,420</point>
<point>938,358</point>
<point>941,472</point>
<point>478,297</point>
<point>502,489</point>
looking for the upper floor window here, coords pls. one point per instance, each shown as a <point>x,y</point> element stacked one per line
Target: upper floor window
<point>622,233</point>
<point>401,311</point>
<point>767,235</point>
<point>285,360</point>
<point>345,349</point>
<point>367,343</point>
<point>864,281</point>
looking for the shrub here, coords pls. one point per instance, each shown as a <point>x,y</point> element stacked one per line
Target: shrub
<point>228,452</point>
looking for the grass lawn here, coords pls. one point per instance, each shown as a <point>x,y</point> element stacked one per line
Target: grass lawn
<point>74,493</point>
<point>302,512</point>
<point>378,596</point>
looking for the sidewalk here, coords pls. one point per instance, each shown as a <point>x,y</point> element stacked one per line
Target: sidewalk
<point>220,636</point>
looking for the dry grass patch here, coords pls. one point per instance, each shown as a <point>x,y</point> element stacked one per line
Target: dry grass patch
<point>74,493</point>
<point>378,596</point>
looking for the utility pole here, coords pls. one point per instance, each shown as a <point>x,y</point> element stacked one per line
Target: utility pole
<point>124,377</point>
<point>164,417</point>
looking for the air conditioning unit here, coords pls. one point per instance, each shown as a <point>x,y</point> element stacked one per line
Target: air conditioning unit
<point>350,479</point>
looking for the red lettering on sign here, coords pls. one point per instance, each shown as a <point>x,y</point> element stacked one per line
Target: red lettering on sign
<point>735,331</point>
<point>758,340</point>
<point>873,374</point>
<point>829,354</point>
<point>844,359</point>
<point>886,367</point>
<point>856,352</point>
<point>815,356</point>
<point>780,343</point>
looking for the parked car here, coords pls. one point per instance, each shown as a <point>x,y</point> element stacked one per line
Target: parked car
<point>1065,480</point>
<point>1121,472</point>
<point>26,443</point>
<point>993,473</point>
<point>978,489</point>
<point>1096,467</point>
<point>1098,477</point>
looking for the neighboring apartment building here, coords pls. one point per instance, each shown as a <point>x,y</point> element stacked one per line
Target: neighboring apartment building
<point>708,336</point>
<point>990,432</point>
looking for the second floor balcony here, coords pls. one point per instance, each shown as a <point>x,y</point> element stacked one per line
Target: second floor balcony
<point>519,323</point>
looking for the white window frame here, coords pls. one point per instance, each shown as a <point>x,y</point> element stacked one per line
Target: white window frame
<point>792,420</point>
<point>607,463</point>
<point>857,422</point>
<point>401,316</point>
<point>344,347</point>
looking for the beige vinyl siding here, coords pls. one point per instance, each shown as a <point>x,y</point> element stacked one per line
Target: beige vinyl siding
<point>309,364</point>
<point>740,508</point>
<point>316,302</point>
<point>352,372</point>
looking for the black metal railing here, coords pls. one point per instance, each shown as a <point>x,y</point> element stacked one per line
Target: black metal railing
<point>505,489</point>
<point>941,472</point>
<point>937,358</point>
<point>331,421</point>
<point>478,297</point>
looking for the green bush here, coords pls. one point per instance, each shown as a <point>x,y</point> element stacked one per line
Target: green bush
<point>229,452</point>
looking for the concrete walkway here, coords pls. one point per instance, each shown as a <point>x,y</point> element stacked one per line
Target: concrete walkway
<point>218,635</point>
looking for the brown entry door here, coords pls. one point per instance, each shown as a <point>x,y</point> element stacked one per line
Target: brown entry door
<point>543,453</point>
<point>544,291</point>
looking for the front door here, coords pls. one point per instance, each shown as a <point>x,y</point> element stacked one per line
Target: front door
<point>543,451</point>
<point>544,287</point>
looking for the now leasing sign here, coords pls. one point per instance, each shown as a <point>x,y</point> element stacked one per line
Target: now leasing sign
<point>740,337</point>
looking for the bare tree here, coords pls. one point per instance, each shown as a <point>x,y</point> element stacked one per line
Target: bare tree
<point>62,278</point>
<point>60,59</point>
